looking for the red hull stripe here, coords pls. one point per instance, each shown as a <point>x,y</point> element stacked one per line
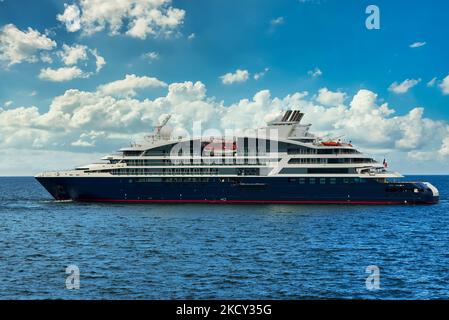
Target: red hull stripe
<point>250,201</point>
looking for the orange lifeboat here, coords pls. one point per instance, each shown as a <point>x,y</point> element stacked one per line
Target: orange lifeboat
<point>221,147</point>
<point>331,143</point>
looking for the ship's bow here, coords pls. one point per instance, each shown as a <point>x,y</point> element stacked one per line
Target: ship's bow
<point>54,185</point>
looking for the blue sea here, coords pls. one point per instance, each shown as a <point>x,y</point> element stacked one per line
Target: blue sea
<point>219,251</point>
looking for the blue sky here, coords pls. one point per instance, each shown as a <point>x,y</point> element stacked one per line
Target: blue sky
<point>286,41</point>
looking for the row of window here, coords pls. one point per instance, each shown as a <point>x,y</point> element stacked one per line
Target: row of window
<point>224,171</point>
<point>221,161</point>
<point>195,179</point>
<point>187,171</point>
<point>329,160</point>
<point>191,171</point>
<point>315,170</point>
<point>403,189</point>
<point>234,161</point>
<point>326,180</point>
<point>239,153</point>
<point>132,153</point>
<point>307,160</point>
<point>291,180</point>
<point>183,179</point>
<point>320,151</point>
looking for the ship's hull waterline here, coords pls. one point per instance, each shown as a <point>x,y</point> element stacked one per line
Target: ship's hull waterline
<point>242,190</point>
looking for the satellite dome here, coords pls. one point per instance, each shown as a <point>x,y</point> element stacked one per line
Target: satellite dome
<point>166,131</point>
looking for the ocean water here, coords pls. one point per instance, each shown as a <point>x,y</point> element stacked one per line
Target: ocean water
<point>219,251</point>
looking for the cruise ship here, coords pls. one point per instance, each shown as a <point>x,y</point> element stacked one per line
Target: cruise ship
<point>280,163</point>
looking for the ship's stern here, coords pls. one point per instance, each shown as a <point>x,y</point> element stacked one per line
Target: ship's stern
<point>434,194</point>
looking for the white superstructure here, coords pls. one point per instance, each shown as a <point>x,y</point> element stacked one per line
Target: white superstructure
<point>285,147</point>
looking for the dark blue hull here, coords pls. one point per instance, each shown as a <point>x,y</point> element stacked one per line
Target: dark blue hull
<point>236,190</point>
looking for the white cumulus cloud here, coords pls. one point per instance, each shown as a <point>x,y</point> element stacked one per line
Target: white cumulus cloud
<point>237,76</point>
<point>330,98</point>
<point>417,44</point>
<point>17,46</point>
<point>315,73</point>
<point>71,17</point>
<point>444,150</point>
<point>151,56</point>
<point>127,87</point>
<point>70,55</point>
<point>99,61</point>
<point>73,55</point>
<point>46,57</point>
<point>404,86</point>
<point>135,18</point>
<point>61,74</point>
<point>444,85</point>
<point>432,82</point>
